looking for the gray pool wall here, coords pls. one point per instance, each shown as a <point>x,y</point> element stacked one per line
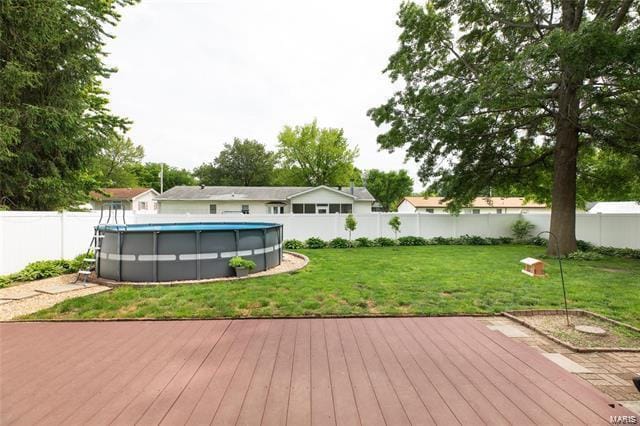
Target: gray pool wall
<point>155,256</point>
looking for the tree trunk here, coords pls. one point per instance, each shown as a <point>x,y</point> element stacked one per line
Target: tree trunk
<point>563,195</point>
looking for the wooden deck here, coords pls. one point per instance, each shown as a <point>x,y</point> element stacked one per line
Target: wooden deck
<point>299,371</point>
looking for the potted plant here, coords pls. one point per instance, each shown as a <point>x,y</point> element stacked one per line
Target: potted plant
<point>242,266</point>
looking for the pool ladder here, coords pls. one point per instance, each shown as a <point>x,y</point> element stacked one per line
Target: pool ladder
<point>89,263</point>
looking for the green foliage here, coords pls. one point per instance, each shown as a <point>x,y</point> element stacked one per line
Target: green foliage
<point>148,176</point>
<point>316,156</point>
<point>395,223</point>
<point>43,269</point>
<point>339,243</point>
<point>363,242</point>
<point>54,117</point>
<point>239,262</point>
<point>350,224</point>
<point>475,240</point>
<point>112,165</point>
<point>389,188</point>
<point>241,163</point>
<point>585,255</point>
<point>412,241</point>
<point>293,244</point>
<point>497,94</point>
<point>314,243</point>
<point>384,242</point>
<point>521,229</point>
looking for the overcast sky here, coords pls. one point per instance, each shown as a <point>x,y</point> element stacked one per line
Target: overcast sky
<point>193,75</point>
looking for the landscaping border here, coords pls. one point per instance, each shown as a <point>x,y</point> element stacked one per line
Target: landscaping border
<point>578,312</point>
<point>113,284</point>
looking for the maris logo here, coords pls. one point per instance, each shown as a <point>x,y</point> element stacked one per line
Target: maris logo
<point>623,420</point>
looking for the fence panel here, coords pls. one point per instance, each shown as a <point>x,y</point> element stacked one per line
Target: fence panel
<point>29,236</point>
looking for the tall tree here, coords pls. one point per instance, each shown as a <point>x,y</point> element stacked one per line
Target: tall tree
<point>497,92</point>
<point>112,166</point>
<point>242,163</point>
<point>53,112</point>
<point>317,156</point>
<point>389,188</point>
<point>148,176</point>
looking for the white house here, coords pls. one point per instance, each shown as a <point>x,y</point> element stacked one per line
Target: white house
<point>480,205</point>
<point>265,200</point>
<point>136,199</point>
<point>615,207</point>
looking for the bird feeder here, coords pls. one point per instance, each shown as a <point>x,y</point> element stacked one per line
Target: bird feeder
<point>533,267</point>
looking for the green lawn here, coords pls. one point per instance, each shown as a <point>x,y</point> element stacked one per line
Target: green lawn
<point>391,280</point>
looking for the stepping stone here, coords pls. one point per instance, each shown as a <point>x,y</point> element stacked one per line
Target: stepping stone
<point>508,330</point>
<point>62,288</point>
<point>18,294</point>
<point>632,405</point>
<point>589,329</point>
<point>566,363</point>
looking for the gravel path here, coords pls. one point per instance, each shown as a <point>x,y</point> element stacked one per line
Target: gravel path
<point>29,300</point>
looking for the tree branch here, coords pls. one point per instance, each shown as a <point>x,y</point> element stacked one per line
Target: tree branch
<point>622,13</point>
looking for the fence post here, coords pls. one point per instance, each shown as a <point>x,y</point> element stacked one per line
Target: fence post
<point>2,270</point>
<point>62,235</point>
<point>455,226</point>
<point>599,229</point>
<point>378,226</point>
<point>418,230</point>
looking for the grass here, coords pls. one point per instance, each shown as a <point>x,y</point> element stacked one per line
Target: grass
<point>428,280</point>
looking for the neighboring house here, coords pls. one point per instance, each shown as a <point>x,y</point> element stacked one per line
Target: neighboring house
<point>480,205</point>
<point>614,207</point>
<point>137,199</point>
<point>265,200</point>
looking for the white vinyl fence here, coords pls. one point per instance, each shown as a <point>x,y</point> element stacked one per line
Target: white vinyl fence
<point>29,236</point>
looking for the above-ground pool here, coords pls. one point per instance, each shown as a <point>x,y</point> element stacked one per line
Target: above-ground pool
<point>184,251</point>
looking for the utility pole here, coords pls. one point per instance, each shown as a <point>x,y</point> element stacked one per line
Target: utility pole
<point>161,178</point>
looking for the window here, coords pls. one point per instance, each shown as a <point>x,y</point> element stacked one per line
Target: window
<point>309,208</point>
<point>213,209</point>
<point>498,211</point>
<point>115,205</point>
<point>245,209</point>
<point>429,210</point>
<point>276,209</point>
<point>334,208</point>
<point>298,208</point>
<point>346,208</point>
<point>142,205</point>
<point>475,211</point>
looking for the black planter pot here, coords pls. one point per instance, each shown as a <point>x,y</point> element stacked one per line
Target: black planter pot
<point>242,272</point>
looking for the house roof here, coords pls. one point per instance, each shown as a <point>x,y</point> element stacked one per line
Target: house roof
<point>119,194</point>
<point>615,207</point>
<point>479,202</point>
<point>253,193</point>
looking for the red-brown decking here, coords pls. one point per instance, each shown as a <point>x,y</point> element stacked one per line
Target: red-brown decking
<point>300,371</point>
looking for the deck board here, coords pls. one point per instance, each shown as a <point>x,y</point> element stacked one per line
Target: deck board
<point>285,371</point>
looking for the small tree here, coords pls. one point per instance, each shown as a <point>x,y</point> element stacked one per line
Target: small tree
<point>350,225</point>
<point>395,223</point>
<point>521,229</point>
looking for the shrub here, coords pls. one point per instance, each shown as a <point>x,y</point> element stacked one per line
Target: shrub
<point>521,229</point>
<point>363,242</point>
<point>339,243</point>
<point>239,262</point>
<point>395,223</point>
<point>474,240</point>
<point>350,224</point>
<point>412,241</point>
<point>43,269</point>
<point>584,255</point>
<point>499,240</point>
<point>293,245</point>
<point>441,241</point>
<point>537,241</point>
<point>314,243</point>
<point>384,242</point>
<point>584,245</point>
